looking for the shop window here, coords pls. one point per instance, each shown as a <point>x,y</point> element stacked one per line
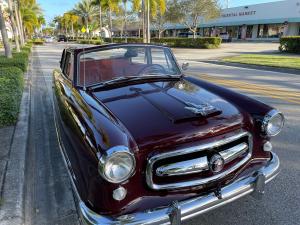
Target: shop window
<point>270,30</point>
<point>232,31</point>
<point>249,31</point>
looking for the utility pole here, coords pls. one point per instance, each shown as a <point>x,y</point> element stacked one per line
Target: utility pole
<point>227,4</point>
<point>148,21</point>
<point>144,21</point>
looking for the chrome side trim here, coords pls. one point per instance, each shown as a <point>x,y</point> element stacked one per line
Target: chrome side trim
<point>193,207</point>
<point>232,153</point>
<point>192,183</point>
<point>184,167</point>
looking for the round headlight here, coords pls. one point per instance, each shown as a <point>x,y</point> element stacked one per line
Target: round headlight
<point>273,123</point>
<point>118,165</point>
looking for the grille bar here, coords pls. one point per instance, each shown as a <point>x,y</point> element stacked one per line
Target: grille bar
<point>234,152</point>
<point>183,167</point>
<point>229,154</point>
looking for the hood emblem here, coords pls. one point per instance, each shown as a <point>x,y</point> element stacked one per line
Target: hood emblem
<point>203,109</point>
<point>216,163</point>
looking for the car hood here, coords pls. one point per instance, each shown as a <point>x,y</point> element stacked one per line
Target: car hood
<point>170,112</point>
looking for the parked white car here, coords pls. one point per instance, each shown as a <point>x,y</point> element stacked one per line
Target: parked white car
<point>49,39</point>
<point>225,37</point>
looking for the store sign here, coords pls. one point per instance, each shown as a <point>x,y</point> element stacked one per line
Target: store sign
<point>234,14</point>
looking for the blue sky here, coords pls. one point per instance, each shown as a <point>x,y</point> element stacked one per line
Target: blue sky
<point>57,7</point>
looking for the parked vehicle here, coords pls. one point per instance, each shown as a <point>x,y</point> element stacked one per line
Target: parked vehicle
<point>145,144</point>
<point>61,37</point>
<point>225,37</point>
<point>48,39</point>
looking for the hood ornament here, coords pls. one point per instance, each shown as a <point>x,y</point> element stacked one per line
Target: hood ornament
<point>203,109</point>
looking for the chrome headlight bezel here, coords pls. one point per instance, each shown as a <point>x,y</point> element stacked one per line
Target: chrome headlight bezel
<point>112,153</point>
<point>268,119</point>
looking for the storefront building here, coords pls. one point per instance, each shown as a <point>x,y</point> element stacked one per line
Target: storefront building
<point>267,21</point>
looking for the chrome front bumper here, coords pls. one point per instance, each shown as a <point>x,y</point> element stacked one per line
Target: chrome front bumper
<point>184,210</point>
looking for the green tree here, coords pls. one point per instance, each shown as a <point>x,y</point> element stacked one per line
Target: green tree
<point>74,20</point>
<point>41,21</point>
<point>99,4</point>
<point>30,11</point>
<point>86,11</point>
<point>111,6</point>
<point>149,8</point>
<point>189,12</point>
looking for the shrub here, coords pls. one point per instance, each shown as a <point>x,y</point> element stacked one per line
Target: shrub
<point>206,42</point>
<point>290,44</point>
<point>22,54</point>
<point>92,42</point>
<point>37,41</point>
<point>11,88</point>
<point>26,48</point>
<point>19,60</point>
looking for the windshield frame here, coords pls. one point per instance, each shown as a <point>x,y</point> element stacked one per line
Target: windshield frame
<point>90,49</point>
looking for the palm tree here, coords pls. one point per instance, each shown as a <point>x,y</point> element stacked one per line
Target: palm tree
<point>58,20</point>
<point>41,21</point>
<point>66,19</point>
<point>4,35</point>
<point>30,12</point>
<point>19,22</point>
<point>86,11</point>
<point>13,24</point>
<point>111,6</point>
<point>149,8</point>
<point>73,20</point>
<point>99,3</point>
<point>125,18</point>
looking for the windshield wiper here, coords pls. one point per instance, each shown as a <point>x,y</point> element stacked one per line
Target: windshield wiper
<point>119,80</point>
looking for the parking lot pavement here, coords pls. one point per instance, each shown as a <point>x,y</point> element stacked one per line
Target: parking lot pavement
<point>226,49</point>
<point>49,198</point>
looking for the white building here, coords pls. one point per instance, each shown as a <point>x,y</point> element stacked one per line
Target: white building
<point>4,6</point>
<point>267,21</point>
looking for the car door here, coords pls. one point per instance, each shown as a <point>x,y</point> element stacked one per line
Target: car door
<point>71,126</point>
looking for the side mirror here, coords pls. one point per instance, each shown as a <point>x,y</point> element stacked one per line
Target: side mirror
<point>185,66</point>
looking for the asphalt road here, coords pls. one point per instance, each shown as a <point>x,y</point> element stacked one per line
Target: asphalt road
<point>49,198</point>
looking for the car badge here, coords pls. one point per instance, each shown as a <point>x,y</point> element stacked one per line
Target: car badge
<point>216,163</point>
<point>203,109</point>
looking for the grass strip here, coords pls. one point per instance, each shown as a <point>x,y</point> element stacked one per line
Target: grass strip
<point>280,61</point>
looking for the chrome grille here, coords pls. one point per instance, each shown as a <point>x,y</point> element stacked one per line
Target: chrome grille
<point>241,148</point>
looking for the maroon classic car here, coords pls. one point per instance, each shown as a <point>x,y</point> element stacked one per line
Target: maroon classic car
<point>145,144</point>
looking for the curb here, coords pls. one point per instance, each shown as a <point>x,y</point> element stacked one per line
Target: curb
<point>251,66</point>
<point>12,210</point>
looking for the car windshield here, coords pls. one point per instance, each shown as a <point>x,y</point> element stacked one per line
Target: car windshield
<point>102,66</point>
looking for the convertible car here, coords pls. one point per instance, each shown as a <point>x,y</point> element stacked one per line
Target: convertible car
<point>145,144</point>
